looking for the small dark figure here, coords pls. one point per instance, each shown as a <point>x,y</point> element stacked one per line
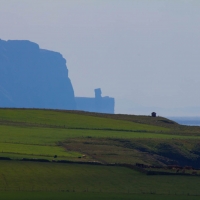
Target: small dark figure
<point>153,114</point>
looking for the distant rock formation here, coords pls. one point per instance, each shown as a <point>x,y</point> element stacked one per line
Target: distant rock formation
<point>98,104</point>
<point>31,77</point>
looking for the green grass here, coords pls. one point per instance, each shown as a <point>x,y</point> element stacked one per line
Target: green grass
<point>107,138</point>
<point>38,141</point>
<point>138,150</point>
<point>33,176</point>
<point>32,142</point>
<point>48,136</point>
<point>36,150</point>
<point>43,133</point>
<point>71,120</point>
<point>88,196</point>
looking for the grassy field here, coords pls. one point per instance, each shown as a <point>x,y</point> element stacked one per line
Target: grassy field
<point>147,151</point>
<point>36,150</point>
<point>49,136</point>
<point>22,129</point>
<point>35,176</point>
<point>45,133</point>
<point>71,120</point>
<point>89,196</point>
<point>45,142</point>
<point>79,136</point>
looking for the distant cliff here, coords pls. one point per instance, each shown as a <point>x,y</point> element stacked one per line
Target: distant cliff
<point>31,77</point>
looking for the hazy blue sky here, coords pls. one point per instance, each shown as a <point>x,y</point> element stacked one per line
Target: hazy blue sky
<point>145,53</point>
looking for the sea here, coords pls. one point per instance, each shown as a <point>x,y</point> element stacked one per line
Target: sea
<point>189,121</point>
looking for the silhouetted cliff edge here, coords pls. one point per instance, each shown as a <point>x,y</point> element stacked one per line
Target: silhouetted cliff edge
<point>31,77</point>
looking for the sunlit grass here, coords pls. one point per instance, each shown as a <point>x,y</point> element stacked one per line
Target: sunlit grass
<point>71,120</point>
<point>50,136</point>
<point>36,150</point>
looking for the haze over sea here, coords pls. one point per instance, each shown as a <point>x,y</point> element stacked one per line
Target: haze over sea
<point>144,53</point>
<point>190,121</point>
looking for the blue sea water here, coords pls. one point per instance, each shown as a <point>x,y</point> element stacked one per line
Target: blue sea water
<point>189,121</point>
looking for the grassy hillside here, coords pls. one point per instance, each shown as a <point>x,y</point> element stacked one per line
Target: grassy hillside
<point>70,120</point>
<point>56,135</point>
<point>46,133</point>
<point>29,133</point>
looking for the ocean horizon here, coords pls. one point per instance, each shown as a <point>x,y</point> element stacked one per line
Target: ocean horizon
<point>189,121</point>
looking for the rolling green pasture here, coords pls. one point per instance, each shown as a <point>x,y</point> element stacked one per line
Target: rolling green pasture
<point>49,136</point>
<point>33,133</point>
<point>44,142</point>
<point>71,120</point>
<point>89,196</point>
<point>36,150</point>
<point>33,176</point>
<point>137,150</point>
<point>45,133</point>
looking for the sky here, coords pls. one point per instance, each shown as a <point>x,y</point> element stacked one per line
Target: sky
<point>144,53</point>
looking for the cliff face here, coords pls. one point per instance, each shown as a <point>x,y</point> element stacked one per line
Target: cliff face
<point>31,77</point>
